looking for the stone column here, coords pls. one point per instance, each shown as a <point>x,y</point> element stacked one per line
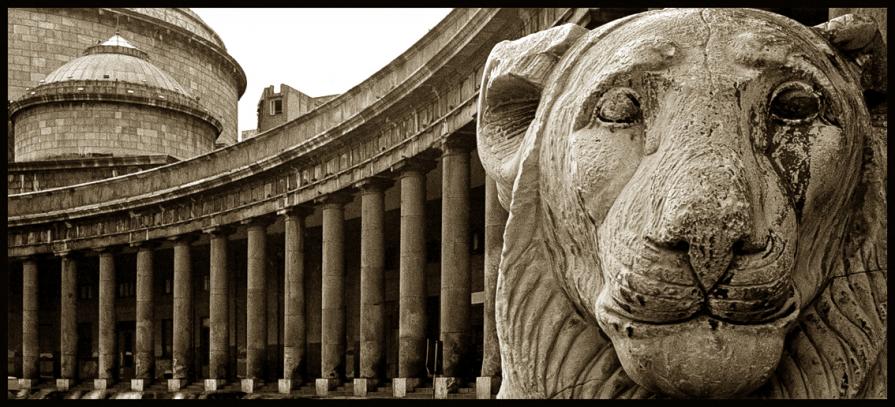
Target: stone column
<point>294,319</point>
<point>106,321</point>
<point>495,220</point>
<point>30,344</point>
<point>68,318</point>
<point>256,304</point>
<point>145,335</point>
<point>412,276</point>
<point>455,279</point>
<point>372,285</point>
<point>183,314</point>
<point>218,309</point>
<point>332,318</point>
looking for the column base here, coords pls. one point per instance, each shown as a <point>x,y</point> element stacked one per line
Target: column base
<point>177,384</point>
<point>27,384</point>
<point>250,385</point>
<point>64,384</point>
<point>140,384</point>
<point>486,387</point>
<point>364,385</point>
<point>445,385</point>
<point>403,385</point>
<point>102,384</point>
<point>214,384</point>
<point>285,386</point>
<point>325,385</point>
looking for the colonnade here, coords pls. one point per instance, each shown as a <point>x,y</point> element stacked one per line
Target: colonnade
<point>455,330</point>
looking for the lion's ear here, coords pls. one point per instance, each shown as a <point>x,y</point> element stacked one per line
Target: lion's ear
<point>858,38</point>
<point>512,82</point>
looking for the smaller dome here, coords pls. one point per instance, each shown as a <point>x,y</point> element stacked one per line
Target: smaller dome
<point>115,60</point>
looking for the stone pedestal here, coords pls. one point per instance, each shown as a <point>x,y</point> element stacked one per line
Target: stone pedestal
<point>285,386</point>
<point>363,386</point>
<point>177,384</point>
<point>27,384</point>
<point>250,385</point>
<point>214,384</point>
<point>140,384</point>
<point>445,385</point>
<point>403,385</point>
<point>64,384</point>
<point>486,387</point>
<point>325,385</point>
<point>101,384</point>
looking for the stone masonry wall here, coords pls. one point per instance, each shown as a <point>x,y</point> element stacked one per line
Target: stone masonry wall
<point>85,128</point>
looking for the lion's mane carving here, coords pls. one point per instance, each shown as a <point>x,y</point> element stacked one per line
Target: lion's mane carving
<point>697,208</point>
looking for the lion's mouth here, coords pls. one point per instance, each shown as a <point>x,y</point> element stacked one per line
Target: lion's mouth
<point>655,286</point>
<point>676,337</point>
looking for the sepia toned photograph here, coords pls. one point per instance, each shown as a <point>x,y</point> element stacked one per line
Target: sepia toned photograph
<point>436,203</point>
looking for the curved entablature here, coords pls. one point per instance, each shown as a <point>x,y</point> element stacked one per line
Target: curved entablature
<point>410,106</point>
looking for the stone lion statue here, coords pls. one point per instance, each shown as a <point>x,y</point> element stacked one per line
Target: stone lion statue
<point>697,208</point>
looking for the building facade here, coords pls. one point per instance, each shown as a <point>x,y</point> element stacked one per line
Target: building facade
<point>350,248</point>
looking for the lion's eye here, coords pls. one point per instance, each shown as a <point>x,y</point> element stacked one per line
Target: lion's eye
<point>795,101</point>
<point>619,105</point>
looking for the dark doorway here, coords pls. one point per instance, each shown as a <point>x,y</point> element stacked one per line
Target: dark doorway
<point>126,333</point>
<point>204,348</point>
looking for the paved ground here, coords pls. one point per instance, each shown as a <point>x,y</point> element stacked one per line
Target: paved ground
<point>158,390</point>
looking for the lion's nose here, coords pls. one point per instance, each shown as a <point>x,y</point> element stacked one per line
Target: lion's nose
<point>707,215</point>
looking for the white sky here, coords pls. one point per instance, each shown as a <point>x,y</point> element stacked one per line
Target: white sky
<point>317,51</point>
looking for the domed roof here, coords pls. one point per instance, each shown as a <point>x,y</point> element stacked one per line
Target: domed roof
<point>115,60</point>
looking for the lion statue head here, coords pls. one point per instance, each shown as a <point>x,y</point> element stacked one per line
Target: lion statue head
<point>696,208</point>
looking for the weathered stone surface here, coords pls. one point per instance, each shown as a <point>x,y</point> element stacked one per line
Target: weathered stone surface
<point>495,220</point>
<point>68,322</point>
<point>372,284</point>
<point>697,209</point>
<point>181,361</point>
<point>256,301</point>
<point>455,332</point>
<point>412,277</point>
<point>30,326</point>
<point>144,355</point>
<point>295,318</point>
<point>332,338</point>
<point>106,320</point>
<point>218,300</point>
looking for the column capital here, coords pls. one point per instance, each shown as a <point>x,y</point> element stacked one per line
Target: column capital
<point>376,183</point>
<point>419,163</point>
<point>187,238</point>
<point>261,220</point>
<point>69,254</point>
<point>113,249</point>
<point>297,210</point>
<point>336,198</point>
<point>219,230</point>
<point>457,143</point>
<point>145,244</point>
